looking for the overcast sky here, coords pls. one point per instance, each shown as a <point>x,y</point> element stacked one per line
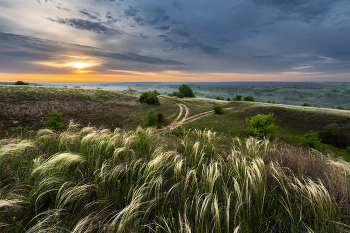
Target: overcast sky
<point>165,40</point>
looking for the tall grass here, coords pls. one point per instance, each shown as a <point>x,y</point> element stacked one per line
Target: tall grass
<point>95,180</point>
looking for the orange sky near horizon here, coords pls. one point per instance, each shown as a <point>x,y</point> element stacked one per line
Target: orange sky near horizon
<point>170,76</point>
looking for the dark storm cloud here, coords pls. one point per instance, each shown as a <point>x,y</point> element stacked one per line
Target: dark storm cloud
<point>89,14</point>
<point>62,8</point>
<point>173,45</point>
<point>177,5</point>
<point>306,11</point>
<point>131,11</point>
<point>110,18</point>
<point>163,28</point>
<point>21,48</point>
<point>87,25</point>
<point>223,35</point>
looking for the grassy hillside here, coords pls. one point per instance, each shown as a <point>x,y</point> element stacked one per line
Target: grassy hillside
<point>28,106</point>
<point>94,180</point>
<point>195,175</point>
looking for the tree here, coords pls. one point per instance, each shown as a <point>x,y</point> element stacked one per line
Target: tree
<point>335,136</point>
<point>149,98</point>
<point>54,121</point>
<point>237,98</point>
<point>151,118</point>
<point>186,90</point>
<point>217,108</point>
<point>21,83</point>
<point>261,125</point>
<point>248,98</point>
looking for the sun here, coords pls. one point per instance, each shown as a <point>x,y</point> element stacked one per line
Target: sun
<point>79,65</point>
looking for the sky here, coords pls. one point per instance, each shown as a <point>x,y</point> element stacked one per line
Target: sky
<point>176,41</point>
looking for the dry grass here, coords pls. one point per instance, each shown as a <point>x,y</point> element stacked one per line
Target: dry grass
<point>95,180</point>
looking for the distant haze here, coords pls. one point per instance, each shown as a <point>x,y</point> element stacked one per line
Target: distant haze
<point>174,41</point>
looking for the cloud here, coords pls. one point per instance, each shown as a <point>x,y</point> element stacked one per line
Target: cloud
<point>88,14</point>
<point>256,36</point>
<point>110,18</point>
<point>307,11</point>
<point>131,11</point>
<point>87,25</point>
<point>18,48</point>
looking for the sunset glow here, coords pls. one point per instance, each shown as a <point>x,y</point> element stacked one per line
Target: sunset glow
<point>175,40</point>
<point>79,65</point>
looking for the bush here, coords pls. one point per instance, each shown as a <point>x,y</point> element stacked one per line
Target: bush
<point>237,98</point>
<point>348,149</point>
<point>335,136</point>
<point>340,107</point>
<point>261,125</point>
<point>219,98</point>
<point>217,108</point>
<point>54,121</point>
<point>186,91</point>
<point>311,139</point>
<point>306,105</point>
<point>21,83</point>
<point>151,118</point>
<point>149,98</point>
<point>177,94</point>
<point>160,118</point>
<point>249,98</point>
<point>228,99</point>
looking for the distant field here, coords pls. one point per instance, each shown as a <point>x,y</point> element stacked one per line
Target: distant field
<point>320,94</point>
<point>22,106</point>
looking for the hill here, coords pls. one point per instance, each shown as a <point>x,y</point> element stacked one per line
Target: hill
<point>190,175</point>
<point>26,107</point>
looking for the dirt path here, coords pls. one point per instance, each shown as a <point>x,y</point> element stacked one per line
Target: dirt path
<point>176,123</point>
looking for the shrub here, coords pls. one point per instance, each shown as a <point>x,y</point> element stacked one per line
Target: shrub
<point>335,136</point>
<point>160,118</point>
<point>186,91</point>
<point>248,98</point>
<point>348,149</point>
<point>340,107</point>
<point>151,118</point>
<point>306,105</point>
<point>261,125</point>
<point>228,99</point>
<point>217,108</point>
<point>219,98</point>
<point>237,98</point>
<point>54,121</point>
<point>149,98</point>
<point>177,94</point>
<point>311,139</point>
<point>21,83</point>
